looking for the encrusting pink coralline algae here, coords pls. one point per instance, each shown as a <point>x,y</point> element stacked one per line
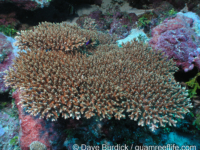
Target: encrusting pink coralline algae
<point>176,38</point>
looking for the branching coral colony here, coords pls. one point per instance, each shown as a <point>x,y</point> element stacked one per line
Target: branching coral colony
<point>112,82</point>
<point>60,36</point>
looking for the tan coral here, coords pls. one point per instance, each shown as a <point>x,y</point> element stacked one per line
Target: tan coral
<point>115,80</point>
<point>59,36</point>
<point>89,24</point>
<point>50,36</point>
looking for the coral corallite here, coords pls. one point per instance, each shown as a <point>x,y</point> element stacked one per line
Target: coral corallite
<point>112,82</point>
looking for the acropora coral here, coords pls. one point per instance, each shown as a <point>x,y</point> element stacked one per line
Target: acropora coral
<point>109,83</point>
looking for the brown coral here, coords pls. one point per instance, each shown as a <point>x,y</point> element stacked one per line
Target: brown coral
<point>50,36</point>
<point>115,80</point>
<point>59,36</point>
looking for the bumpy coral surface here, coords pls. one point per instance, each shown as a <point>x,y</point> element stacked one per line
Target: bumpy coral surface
<point>6,56</point>
<point>60,36</point>
<point>109,83</point>
<point>48,36</point>
<point>9,19</point>
<point>177,39</point>
<point>36,145</point>
<point>115,22</point>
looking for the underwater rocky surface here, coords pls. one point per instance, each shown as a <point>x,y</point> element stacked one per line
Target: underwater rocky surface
<point>170,26</point>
